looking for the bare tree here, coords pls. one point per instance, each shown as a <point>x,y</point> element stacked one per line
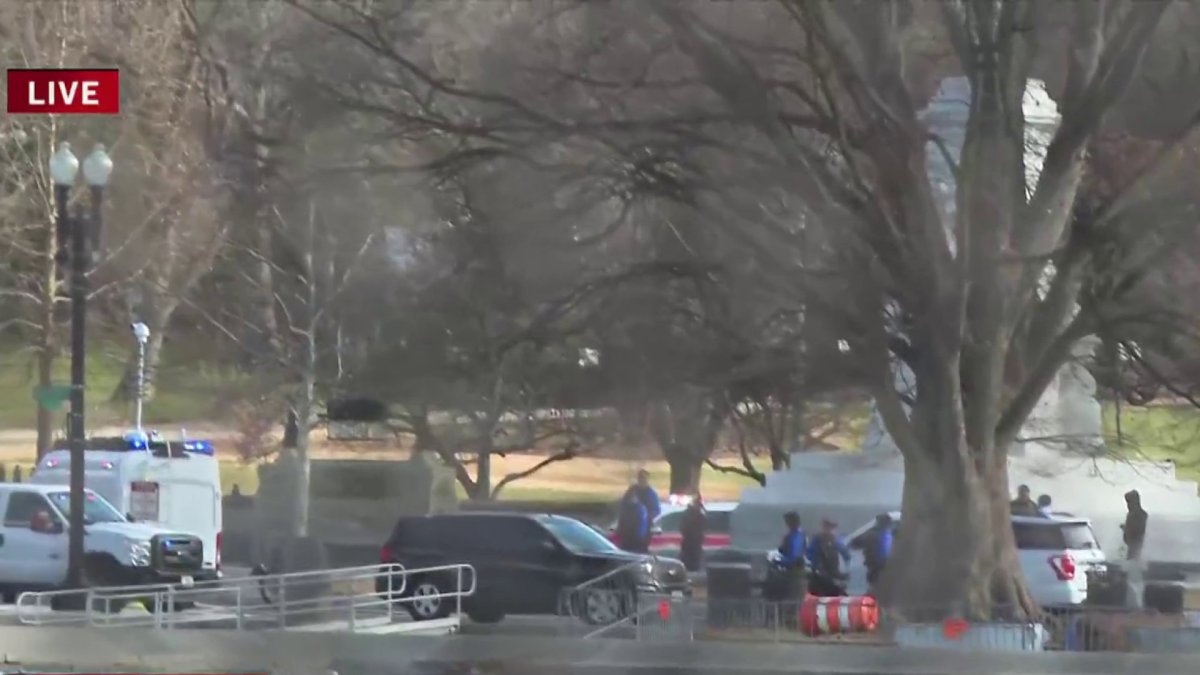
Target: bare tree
<point>160,203</point>
<point>845,132</point>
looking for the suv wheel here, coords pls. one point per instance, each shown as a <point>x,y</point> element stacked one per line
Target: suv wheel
<point>423,602</point>
<point>604,607</point>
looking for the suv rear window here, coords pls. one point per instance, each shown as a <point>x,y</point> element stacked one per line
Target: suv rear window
<point>1055,537</point>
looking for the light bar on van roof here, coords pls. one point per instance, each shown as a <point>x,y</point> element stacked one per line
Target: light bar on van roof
<point>199,447</point>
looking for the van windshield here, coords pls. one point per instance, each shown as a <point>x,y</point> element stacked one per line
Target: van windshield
<point>95,509</point>
<point>576,536</point>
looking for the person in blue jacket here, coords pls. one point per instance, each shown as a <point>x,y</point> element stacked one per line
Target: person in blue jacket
<point>878,548</point>
<point>633,525</point>
<point>791,549</point>
<point>646,495</point>
<point>826,553</point>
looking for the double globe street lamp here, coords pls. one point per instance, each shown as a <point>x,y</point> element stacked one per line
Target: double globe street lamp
<point>76,237</point>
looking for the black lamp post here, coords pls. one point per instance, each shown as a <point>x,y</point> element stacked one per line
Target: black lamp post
<point>83,234</point>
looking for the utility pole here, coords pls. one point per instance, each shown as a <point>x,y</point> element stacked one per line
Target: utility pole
<point>141,332</point>
<point>81,233</point>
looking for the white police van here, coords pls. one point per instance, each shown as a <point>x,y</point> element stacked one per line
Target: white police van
<point>34,541</point>
<point>175,484</point>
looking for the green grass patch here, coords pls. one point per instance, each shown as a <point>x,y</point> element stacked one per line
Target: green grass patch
<point>1158,433</point>
<point>185,391</point>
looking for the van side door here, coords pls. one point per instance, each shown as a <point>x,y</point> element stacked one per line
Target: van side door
<point>41,557</point>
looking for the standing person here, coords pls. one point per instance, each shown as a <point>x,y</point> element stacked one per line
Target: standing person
<point>1135,525</point>
<point>1043,506</point>
<point>633,527</point>
<point>791,549</point>
<point>646,495</point>
<point>785,578</point>
<point>691,548</point>
<point>1023,505</point>
<point>878,548</point>
<point>826,554</point>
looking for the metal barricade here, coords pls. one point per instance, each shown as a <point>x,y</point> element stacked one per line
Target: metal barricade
<point>351,596</point>
<point>612,605</point>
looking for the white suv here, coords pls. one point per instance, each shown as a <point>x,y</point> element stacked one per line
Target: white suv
<point>1055,553</point>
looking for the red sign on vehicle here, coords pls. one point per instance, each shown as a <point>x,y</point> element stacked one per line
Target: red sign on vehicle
<point>143,500</point>
<point>64,91</point>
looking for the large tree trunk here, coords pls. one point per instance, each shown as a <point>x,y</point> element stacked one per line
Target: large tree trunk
<point>956,556</point>
<point>686,429</point>
<point>685,470</point>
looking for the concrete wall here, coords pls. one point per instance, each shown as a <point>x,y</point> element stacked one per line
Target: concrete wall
<point>309,653</point>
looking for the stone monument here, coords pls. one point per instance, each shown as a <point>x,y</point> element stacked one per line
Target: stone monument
<point>1060,450</point>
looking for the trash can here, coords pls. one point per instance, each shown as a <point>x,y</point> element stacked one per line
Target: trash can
<point>1164,597</point>
<point>730,587</point>
<point>785,585</point>
<point>1108,587</point>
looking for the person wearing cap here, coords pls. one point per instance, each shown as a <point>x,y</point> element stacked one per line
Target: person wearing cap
<point>826,554</point>
<point>646,495</point>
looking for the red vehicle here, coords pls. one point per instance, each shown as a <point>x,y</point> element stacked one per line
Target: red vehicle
<point>665,534</point>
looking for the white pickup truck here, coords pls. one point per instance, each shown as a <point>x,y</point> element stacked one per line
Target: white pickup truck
<point>34,542</point>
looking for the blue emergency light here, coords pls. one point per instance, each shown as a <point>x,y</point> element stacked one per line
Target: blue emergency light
<point>199,447</point>
<point>137,440</point>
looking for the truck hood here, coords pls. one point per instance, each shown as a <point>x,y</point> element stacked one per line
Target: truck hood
<point>136,531</point>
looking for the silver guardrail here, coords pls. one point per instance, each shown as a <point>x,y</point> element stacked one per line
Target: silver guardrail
<point>357,596</point>
<point>604,602</point>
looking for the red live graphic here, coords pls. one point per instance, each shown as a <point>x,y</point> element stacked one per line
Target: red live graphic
<point>72,91</point>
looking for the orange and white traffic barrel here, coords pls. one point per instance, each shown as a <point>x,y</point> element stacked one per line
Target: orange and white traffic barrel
<point>828,616</point>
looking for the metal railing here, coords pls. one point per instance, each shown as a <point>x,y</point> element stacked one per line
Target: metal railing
<point>604,603</point>
<point>613,605</point>
<point>355,596</point>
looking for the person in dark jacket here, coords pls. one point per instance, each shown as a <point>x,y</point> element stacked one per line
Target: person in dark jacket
<point>646,495</point>
<point>691,529</point>
<point>1134,528</point>
<point>633,526</point>
<point>826,554</point>
<point>1023,505</point>
<point>878,548</point>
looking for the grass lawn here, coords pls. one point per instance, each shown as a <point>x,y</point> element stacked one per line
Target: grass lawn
<point>1157,432</point>
<point>579,480</point>
<point>185,390</point>
<point>190,392</point>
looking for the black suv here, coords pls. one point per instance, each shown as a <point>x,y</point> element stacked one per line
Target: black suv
<point>523,563</point>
